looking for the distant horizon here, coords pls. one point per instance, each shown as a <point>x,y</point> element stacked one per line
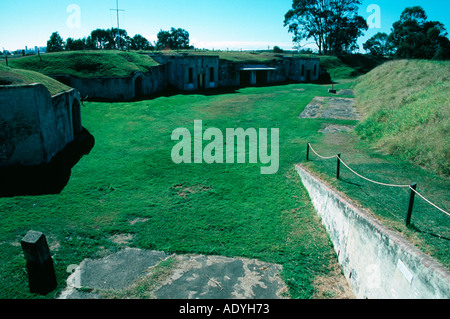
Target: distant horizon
<point>249,25</point>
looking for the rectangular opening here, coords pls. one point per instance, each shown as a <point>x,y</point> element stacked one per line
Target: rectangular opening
<point>191,76</point>
<point>211,75</point>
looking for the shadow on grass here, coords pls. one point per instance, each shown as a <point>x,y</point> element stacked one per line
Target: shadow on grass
<point>45,179</point>
<point>417,229</point>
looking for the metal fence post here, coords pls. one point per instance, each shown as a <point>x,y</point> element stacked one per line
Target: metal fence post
<point>411,204</point>
<point>307,152</point>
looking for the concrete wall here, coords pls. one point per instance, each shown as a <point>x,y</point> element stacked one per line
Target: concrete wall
<point>377,262</point>
<point>36,126</point>
<point>191,73</point>
<point>119,88</point>
<point>293,69</point>
<point>303,70</point>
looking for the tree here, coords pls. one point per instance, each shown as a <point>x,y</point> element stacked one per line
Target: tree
<point>333,24</point>
<point>379,45</point>
<point>414,37</point>
<point>120,39</point>
<point>56,43</point>
<point>138,42</point>
<point>102,39</point>
<point>277,49</point>
<point>75,45</point>
<point>175,39</point>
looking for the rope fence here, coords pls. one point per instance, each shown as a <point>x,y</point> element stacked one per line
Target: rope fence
<point>412,187</point>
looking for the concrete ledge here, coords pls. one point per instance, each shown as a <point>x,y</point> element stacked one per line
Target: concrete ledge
<point>378,263</point>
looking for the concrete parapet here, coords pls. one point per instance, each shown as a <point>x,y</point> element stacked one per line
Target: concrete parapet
<point>378,262</point>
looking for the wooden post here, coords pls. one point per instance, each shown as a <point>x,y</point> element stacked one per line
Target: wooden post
<point>338,168</point>
<point>41,274</point>
<point>411,204</point>
<point>307,152</point>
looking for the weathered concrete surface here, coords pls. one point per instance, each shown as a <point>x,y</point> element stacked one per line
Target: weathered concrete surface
<point>377,262</point>
<point>119,88</point>
<point>331,108</point>
<point>36,126</point>
<point>189,277</point>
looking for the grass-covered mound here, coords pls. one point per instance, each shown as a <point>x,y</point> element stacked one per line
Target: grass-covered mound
<point>10,76</point>
<point>87,64</point>
<point>406,107</point>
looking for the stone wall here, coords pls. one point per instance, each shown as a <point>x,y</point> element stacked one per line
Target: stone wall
<point>36,126</point>
<point>377,262</point>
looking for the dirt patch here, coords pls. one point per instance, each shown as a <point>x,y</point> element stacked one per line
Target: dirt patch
<point>338,108</point>
<point>334,128</point>
<point>122,239</point>
<point>346,92</point>
<point>138,221</point>
<point>184,191</point>
<point>333,286</point>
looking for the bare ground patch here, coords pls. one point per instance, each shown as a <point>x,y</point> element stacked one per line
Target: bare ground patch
<point>338,108</point>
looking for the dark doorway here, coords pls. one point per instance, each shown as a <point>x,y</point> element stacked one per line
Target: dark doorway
<point>245,78</point>
<point>201,81</point>
<point>261,77</point>
<point>138,84</point>
<point>308,76</point>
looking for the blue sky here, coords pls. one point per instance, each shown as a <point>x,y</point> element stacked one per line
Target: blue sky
<point>212,24</point>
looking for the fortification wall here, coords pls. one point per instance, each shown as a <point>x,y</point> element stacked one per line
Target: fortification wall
<point>377,262</point>
<point>36,125</point>
<point>118,88</point>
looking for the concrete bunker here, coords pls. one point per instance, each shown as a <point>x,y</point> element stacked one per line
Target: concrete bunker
<point>42,140</point>
<point>251,75</point>
<point>191,72</point>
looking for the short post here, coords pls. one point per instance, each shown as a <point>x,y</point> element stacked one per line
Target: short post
<point>41,274</point>
<point>307,152</point>
<point>338,168</point>
<point>411,204</point>
<point>6,56</point>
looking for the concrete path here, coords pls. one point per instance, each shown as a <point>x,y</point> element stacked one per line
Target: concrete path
<point>138,274</point>
<point>338,108</point>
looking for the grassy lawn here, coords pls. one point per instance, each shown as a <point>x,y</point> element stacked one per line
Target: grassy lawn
<point>129,192</point>
<point>128,187</point>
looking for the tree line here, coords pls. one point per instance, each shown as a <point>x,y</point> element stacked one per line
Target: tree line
<point>109,39</point>
<point>335,27</point>
<point>412,37</point>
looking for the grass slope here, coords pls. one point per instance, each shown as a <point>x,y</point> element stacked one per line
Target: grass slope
<point>128,187</point>
<point>86,63</point>
<point>406,107</point>
<point>10,76</point>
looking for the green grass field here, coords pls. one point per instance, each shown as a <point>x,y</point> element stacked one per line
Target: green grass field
<point>129,185</point>
<point>129,188</point>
